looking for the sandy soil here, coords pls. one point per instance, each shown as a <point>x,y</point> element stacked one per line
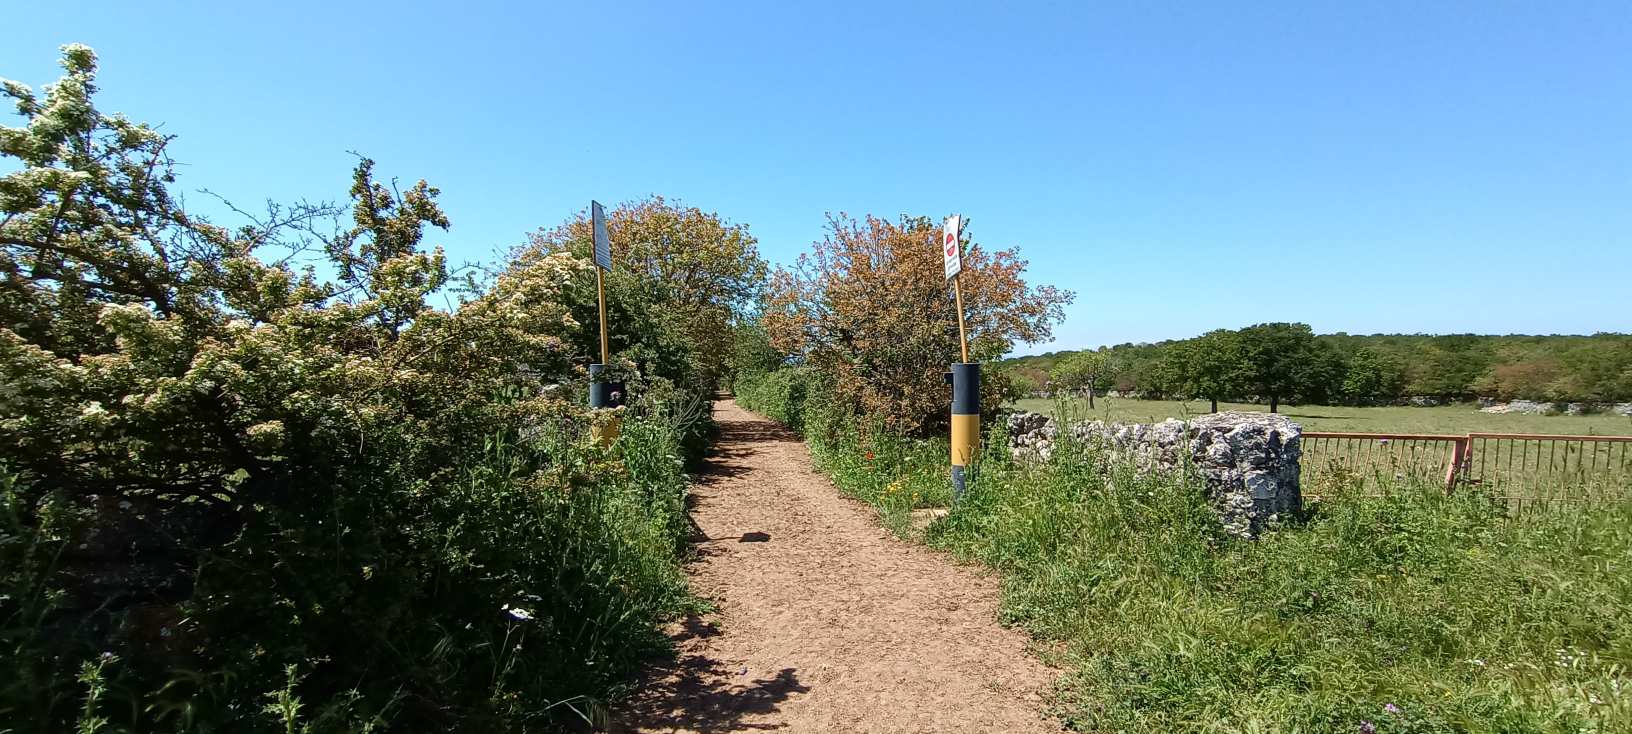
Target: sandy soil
<point>826,623</point>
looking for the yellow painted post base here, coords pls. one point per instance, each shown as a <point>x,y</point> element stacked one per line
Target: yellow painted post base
<point>965,439</point>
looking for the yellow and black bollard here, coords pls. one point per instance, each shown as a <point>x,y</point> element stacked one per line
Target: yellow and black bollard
<point>604,427</point>
<point>965,379</point>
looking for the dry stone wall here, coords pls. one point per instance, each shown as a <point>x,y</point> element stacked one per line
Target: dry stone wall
<point>1247,462</point>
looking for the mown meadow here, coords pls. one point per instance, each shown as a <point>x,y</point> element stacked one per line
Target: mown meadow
<point>1408,612</point>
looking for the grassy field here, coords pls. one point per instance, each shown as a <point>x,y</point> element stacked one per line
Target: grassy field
<point>1458,419</point>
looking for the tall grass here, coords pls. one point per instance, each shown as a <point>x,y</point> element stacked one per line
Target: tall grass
<point>515,595</point>
<point>1410,612</point>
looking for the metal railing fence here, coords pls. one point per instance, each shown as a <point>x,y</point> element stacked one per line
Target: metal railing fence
<point>1523,469</point>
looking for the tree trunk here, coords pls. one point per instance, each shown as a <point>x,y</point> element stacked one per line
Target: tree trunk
<point>1215,404</point>
<point>1274,402</point>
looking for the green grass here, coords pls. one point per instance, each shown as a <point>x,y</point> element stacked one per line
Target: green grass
<point>1450,419</point>
<point>1413,612</point>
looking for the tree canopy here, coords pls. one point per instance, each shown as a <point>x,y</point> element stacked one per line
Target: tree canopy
<point>706,271</point>
<point>1085,370</point>
<point>870,306</point>
<point>1363,369</point>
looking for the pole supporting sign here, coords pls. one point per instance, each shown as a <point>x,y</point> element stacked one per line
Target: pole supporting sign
<point>603,392</point>
<point>964,376</point>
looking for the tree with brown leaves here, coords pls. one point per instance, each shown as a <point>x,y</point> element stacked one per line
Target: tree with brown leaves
<point>870,307</point>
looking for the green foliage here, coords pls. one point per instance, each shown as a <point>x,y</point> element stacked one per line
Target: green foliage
<point>237,498</point>
<point>1372,373</point>
<point>751,350</point>
<point>1025,383</point>
<point>1284,360</point>
<point>791,395</point>
<point>870,308</point>
<point>1213,366</point>
<point>1081,371</point>
<point>684,278</point>
<point>1369,369</point>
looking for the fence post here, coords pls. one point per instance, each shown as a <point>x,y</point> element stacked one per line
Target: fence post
<point>1459,455</point>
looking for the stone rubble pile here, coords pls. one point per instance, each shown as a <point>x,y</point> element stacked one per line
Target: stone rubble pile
<point>1248,462</point>
<point>1538,407</point>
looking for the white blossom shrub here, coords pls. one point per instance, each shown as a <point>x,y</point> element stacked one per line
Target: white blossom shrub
<point>239,497</point>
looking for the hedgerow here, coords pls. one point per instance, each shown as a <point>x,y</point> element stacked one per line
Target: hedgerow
<point>235,496</point>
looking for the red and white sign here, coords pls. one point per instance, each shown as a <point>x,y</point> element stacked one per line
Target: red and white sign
<point>950,246</point>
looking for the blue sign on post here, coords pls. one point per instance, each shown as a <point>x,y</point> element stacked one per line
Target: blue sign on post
<point>603,246</point>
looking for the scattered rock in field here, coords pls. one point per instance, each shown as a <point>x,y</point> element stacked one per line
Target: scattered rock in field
<point>1525,407</point>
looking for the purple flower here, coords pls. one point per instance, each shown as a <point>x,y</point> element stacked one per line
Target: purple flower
<point>1367,727</point>
<point>1391,708</point>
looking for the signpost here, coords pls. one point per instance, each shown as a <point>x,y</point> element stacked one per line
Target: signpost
<point>952,249</point>
<point>603,262</point>
<point>602,393</point>
<point>965,376</point>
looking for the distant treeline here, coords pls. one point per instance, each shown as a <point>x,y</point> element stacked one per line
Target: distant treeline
<point>1288,362</point>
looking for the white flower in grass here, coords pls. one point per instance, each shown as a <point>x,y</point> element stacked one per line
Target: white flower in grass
<point>517,612</point>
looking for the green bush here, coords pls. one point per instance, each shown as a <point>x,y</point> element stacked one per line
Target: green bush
<point>235,498</point>
<point>516,592</point>
<point>785,395</point>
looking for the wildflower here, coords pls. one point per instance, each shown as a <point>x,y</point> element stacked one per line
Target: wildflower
<point>518,612</point>
<point>869,456</point>
<point>1391,708</point>
<point>1366,727</point>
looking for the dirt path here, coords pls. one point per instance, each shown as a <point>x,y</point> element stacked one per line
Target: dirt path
<point>829,624</point>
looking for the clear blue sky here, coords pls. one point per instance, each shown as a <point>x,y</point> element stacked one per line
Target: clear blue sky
<point>1363,167</point>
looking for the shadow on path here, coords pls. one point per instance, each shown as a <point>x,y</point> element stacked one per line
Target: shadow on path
<point>740,433</point>
<point>697,693</point>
